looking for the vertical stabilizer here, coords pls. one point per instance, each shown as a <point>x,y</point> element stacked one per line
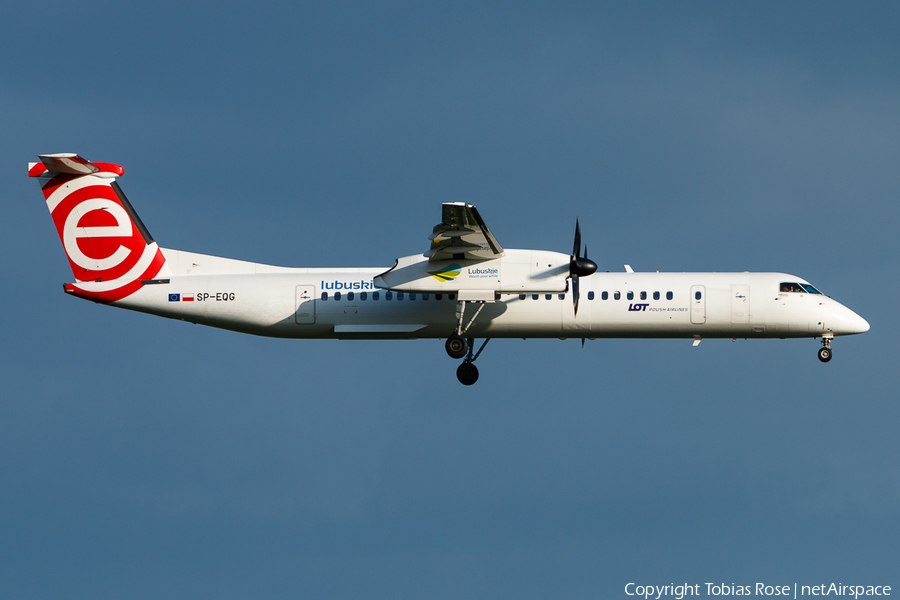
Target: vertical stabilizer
<point>109,249</point>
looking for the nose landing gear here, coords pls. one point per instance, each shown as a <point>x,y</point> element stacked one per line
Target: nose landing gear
<point>825,350</point>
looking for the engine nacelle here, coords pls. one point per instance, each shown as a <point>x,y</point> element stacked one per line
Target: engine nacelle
<point>517,272</point>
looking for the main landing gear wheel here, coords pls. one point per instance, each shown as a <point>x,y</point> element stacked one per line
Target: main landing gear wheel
<point>467,373</point>
<point>457,347</point>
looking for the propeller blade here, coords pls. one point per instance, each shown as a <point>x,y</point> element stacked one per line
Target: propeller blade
<point>579,266</point>
<point>575,293</point>
<point>577,251</point>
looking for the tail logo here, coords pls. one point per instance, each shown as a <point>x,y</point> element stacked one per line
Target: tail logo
<point>72,233</point>
<point>98,235</point>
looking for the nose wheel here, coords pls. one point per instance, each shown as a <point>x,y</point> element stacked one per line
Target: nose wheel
<point>825,350</point>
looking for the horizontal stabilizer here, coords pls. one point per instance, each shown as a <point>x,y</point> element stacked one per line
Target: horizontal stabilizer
<point>70,164</point>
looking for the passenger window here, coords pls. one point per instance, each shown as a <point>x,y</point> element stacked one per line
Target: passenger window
<point>363,295</point>
<point>590,295</point>
<point>412,296</point>
<point>562,296</point>
<point>521,296</point>
<point>350,296</point>
<point>535,296</point>
<point>697,295</point>
<point>438,296</point>
<point>604,296</point>
<point>617,295</point>
<point>337,296</point>
<point>548,296</point>
<point>324,296</point>
<point>643,295</point>
<point>669,295</point>
<point>375,295</point>
<point>399,295</point>
<point>388,295</point>
<point>630,295</point>
<point>656,295</point>
<point>451,296</point>
<point>424,296</point>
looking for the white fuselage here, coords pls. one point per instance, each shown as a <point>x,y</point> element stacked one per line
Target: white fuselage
<point>304,303</point>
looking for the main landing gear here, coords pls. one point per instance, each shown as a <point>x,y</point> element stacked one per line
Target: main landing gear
<point>467,372</point>
<point>825,350</point>
<point>458,346</point>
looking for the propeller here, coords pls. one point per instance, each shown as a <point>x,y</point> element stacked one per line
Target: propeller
<point>579,266</point>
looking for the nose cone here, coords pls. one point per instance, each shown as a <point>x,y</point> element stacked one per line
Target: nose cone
<point>860,324</point>
<point>847,322</point>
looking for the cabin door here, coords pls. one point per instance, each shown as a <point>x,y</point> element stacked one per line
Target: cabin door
<point>306,304</point>
<point>698,304</point>
<point>740,304</point>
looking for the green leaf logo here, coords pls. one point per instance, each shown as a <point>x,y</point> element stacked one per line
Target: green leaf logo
<point>448,273</point>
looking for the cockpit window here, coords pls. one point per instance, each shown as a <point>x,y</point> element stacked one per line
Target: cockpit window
<point>790,286</point>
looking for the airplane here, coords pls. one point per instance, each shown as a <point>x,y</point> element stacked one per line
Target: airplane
<point>464,287</point>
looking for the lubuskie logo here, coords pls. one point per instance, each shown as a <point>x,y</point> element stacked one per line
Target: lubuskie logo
<point>448,273</point>
<point>348,285</point>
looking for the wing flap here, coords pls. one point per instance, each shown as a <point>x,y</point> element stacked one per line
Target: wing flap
<point>462,234</point>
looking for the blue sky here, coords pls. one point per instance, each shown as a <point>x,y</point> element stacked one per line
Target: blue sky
<point>147,458</point>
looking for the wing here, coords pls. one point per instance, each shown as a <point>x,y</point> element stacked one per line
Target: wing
<point>462,234</point>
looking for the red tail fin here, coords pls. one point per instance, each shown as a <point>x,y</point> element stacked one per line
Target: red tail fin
<point>109,249</point>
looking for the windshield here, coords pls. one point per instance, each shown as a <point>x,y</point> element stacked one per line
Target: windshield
<point>791,286</point>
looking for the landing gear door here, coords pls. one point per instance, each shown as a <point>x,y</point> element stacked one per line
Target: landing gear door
<point>306,304</point>
<point>698,304</point>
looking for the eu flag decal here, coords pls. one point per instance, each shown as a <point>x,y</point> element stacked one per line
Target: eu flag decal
<point>174,297</point>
